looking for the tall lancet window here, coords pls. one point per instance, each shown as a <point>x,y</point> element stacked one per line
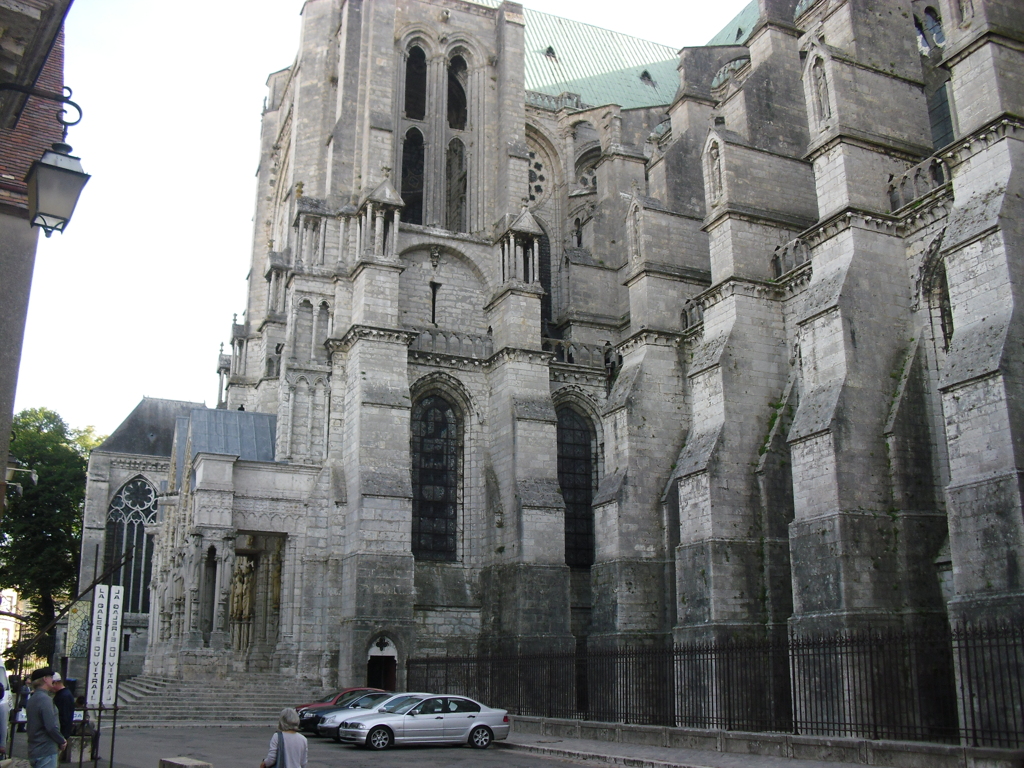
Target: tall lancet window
<point>416,84</point>
<point>412,177</point>
<point>457,102</point>
<point>576,480</point>
<point>132,507</point>
<point>455,187</point>
<point>436,447</point>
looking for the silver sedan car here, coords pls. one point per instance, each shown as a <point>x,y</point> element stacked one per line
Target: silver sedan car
<point>421,718</point>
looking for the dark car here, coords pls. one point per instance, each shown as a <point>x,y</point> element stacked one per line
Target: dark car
<point>328,720</point>
<point>309,714</point>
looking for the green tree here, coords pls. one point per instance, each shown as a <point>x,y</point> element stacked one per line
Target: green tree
<point>41,529</point>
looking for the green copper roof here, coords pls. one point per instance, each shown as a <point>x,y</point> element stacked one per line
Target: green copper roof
<point>738,30</point>
<point>603,67</point>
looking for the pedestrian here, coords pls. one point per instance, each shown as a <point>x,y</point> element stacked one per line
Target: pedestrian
<point>287,746</point>
<point>44,737</point>
<point>64,701</point>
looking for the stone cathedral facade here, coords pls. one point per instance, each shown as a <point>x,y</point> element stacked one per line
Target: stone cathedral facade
<point>556,338</point>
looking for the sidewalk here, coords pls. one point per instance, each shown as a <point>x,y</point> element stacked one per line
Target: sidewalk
<point>641,756</point>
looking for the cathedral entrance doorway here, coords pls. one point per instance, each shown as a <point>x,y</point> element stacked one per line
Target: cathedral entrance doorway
<point>255,596</point>
<point>382,665</point>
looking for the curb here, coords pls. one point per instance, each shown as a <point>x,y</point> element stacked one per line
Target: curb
<point>632,762</point>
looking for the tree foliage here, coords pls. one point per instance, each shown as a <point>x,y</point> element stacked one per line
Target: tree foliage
<point>41,529</point>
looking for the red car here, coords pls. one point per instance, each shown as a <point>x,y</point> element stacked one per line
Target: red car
<point>308,713</point>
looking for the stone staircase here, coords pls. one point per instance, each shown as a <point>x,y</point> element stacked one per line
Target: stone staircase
<point>254,699</point>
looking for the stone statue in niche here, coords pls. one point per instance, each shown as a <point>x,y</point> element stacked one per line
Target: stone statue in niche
<point>966,8</point>
<point>716,171</point>
<point>821,96</point>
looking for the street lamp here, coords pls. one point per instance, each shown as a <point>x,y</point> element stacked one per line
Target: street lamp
<point>56,179</point>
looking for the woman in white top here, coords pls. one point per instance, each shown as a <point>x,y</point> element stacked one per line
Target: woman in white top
<point>293,752</point>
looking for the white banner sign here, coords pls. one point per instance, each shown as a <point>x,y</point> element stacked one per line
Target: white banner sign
<point>104,645</point>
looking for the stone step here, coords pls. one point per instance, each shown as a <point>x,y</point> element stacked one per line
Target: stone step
<point>255,698</point>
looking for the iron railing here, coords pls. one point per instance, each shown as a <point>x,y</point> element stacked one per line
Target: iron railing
<point>963,685</point>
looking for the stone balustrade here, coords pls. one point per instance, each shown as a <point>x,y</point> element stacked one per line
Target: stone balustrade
<point>575,352</point>
<point>789,256</point>
<point>453,343</point>
<point>917,182</point>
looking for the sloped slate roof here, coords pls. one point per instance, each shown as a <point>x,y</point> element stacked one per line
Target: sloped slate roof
<point>149,429</point>
<point>248,435</point>
<point>737,31</point>
<point>602,66</point>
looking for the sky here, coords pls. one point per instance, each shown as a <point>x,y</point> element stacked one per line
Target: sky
<point>136,296</point>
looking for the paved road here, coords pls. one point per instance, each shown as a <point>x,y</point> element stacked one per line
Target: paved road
<point>245,747</point>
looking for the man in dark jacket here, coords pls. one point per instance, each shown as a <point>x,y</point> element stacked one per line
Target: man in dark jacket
<point>44,736</point>
<point>64,701</point>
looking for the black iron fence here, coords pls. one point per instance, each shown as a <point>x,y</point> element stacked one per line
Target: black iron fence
<point>962,685</point>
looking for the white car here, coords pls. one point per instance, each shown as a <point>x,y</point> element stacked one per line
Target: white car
<point>421,718</point>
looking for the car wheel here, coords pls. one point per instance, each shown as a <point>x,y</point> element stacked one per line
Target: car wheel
<point>378,738</point>
<point>480,737</point>
<point>337,738</point>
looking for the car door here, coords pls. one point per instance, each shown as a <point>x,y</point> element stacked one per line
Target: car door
<point>425,721</point>
<point>459,718</point>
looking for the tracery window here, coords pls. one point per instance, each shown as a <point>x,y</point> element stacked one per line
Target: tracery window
<point>412,177</point>
<point>132,507</point>
<point>576,479</point>
<point>416,84</point>
<point>436,478</point>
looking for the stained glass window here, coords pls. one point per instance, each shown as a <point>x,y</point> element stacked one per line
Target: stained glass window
<point>436,478</point>
<point>131,508</point>
<point>576,479</point>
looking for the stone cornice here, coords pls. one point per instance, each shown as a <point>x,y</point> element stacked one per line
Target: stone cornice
<point>983,138</point>
<point>574,374</point>
<point>442,360</point>
<point>846,219</point>
<point>516,355</point>
<point>738,286</point>
<point>659,269</point>
<point>934,206</point>
<point>370,333</point>
<point>141,465</point>
<point>648,337</point>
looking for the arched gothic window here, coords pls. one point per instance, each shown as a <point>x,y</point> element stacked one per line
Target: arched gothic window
<point>576,479</point>
<point>416,84</point>
<point>132,507</point>
<point>436,447</point>
<point>412,177</point>
<point>457,102</point>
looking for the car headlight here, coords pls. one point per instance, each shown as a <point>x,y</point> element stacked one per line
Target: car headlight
<point>330,720</point>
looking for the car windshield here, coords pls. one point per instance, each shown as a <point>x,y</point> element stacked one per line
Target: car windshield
<point>402,704</point>
<point>326,699</point>
<point>351,696</point>
<point>367,701</point>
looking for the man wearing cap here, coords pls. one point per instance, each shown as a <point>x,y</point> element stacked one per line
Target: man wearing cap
<point>64,701</point>
<point>44,736</point>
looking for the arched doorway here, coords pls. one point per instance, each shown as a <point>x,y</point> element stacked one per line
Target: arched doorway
<point>382,665</point>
